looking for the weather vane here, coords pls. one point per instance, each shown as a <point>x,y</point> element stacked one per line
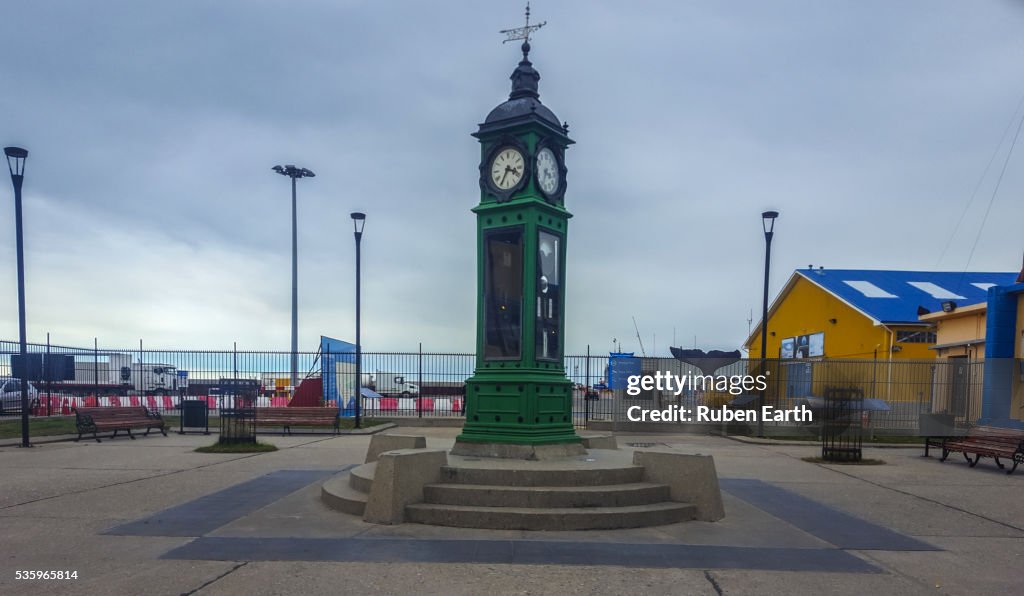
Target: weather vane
<point>522,33</point>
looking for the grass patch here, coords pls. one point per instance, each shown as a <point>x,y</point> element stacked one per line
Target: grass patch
<point>49,426</point>
<point>173,422</point>
<point>350,423</point>
<point>863,462</point>
<point>39,427</point>
<point>237,448</point>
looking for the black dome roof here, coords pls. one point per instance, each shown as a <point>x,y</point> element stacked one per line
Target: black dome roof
<point>524,99</point>
<point>522,106</point>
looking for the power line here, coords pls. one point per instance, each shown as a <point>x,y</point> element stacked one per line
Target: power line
<point>992,199</point>
<point>977,187</point>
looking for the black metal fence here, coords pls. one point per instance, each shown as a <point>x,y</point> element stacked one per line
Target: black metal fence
<point>395,384</point>
<point>899,391</point>
<point>433,384</point>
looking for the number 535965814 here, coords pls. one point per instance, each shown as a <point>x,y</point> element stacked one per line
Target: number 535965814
<point>46,574</point>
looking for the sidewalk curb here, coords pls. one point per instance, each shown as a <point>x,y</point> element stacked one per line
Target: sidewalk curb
<point>759,441</point>
<point>63,438</point>
<point>38,440</point>
<point>368,431</point>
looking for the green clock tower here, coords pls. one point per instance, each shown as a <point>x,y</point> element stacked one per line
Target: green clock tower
<point>519,401</point>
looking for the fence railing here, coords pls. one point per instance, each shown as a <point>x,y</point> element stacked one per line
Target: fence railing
<point>433,384</point>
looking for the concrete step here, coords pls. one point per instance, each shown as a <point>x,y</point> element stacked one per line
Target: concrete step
<point>337,493</point>
<point>582,476</point>
<point>559,518</point>
<point>619,495</point>
<point>361,477</point>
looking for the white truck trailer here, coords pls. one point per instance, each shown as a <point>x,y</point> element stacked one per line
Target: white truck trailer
<point>394,385</point>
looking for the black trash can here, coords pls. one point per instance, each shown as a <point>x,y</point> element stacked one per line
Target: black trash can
<point>195,414</point>
<point>238,425</point>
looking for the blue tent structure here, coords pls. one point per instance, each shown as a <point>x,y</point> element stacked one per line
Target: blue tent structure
<point>332,353</point>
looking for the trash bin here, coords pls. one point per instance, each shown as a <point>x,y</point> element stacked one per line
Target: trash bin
<point>238,425</point>
<point>842,430</point>
<point>195,413</point>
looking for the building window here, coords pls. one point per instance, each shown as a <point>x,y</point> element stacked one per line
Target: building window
<point>916,337</point>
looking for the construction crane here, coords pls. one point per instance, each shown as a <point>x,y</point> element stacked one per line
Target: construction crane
<point>642,351</point>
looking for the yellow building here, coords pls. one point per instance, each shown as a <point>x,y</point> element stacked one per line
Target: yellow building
<point>959,333</point>
<point>960,350</point>
<point>982,346</point>
<point>854,329</point>
<point>864,314</point>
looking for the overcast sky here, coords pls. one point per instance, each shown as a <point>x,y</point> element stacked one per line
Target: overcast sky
<point>151,210</point>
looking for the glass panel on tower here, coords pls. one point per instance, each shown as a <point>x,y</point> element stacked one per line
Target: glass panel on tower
<point>549,287</point>
<point>503,293</point>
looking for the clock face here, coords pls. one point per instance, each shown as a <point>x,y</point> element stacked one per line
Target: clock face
<point>507,168</point>
<point>547,171</point>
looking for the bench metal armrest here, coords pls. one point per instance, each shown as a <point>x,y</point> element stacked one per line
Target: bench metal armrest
<point>84,420</point>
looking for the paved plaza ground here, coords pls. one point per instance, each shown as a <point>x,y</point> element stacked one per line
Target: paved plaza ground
<point>151,516</point>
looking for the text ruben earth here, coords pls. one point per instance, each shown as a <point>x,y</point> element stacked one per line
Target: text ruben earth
<point>733,384</point>
<point>722,414</point>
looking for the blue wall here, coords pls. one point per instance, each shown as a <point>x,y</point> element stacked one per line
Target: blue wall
<point>1000,365</point>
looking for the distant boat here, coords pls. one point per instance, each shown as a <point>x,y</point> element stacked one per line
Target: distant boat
<point>707,362</point>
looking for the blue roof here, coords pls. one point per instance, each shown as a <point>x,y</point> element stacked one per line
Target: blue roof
<point>894,296</point>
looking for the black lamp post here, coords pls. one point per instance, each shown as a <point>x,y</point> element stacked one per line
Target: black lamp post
<point>294,173</point>
<point>768,224</point>
<point>16,164</point>
<point>358,221</point>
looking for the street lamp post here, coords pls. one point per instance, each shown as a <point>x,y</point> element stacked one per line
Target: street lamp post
<point>294,173</point>
<point>768,225</point>
<point>358,221</point>
<point>16,164</point>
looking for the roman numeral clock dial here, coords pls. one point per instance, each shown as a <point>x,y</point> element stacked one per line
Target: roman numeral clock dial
<point>507,169</point>
<point>547,172</point>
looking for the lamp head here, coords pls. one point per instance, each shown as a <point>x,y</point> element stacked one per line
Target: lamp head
<point>16,160</point>
<point>358,221</point>
<point>768,221</point>
<point>293,172</point>
<point>948,306</point>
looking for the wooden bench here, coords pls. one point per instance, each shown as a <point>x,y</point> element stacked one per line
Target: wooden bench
<point>97,420</point>
<point>289,417</point>
<point>984,441</point>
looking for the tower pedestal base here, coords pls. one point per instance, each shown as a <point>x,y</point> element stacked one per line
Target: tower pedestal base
<point>519,451</point>
<point>602,490</point>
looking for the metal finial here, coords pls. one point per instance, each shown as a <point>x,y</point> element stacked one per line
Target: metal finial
<point>522,33</point>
